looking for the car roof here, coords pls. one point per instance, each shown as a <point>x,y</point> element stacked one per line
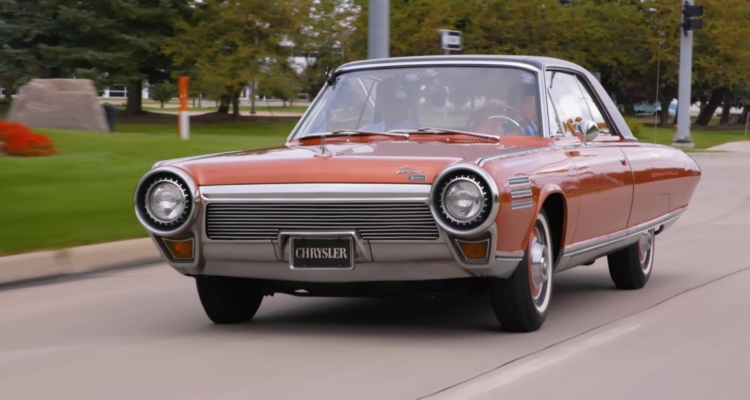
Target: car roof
<point>535,61</point>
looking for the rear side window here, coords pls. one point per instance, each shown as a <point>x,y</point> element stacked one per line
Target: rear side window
<point>569,99</point>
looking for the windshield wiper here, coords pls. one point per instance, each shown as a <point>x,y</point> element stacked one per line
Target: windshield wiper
<point>353,132</point>
<point>437,131</point>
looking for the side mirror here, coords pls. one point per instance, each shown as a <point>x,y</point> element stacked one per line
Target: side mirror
<point>589,129</point>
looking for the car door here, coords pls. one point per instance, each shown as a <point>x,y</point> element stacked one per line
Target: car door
<point>605,180</point>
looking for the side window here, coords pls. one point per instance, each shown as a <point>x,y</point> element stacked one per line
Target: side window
<point>554,122</point>
<point>596,111</point>
<point>569,99</point>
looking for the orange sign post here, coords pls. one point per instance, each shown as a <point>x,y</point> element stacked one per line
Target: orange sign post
<point>183,115</point>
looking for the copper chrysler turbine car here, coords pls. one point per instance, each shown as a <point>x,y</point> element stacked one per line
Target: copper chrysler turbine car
<point>424,174</point>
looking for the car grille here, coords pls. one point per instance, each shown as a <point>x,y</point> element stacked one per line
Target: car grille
<point>373,221</point>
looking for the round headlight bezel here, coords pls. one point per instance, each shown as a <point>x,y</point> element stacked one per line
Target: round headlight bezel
<point>464,226</point>
<point>142,200</point>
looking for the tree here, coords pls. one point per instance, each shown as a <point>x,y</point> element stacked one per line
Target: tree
<point>25,26</point>
<point>163,92</point>
<point>110,41</point>
<point>279,81</point>
<point>721,48</point>
<point>326,40</point>
<point>118,40</point>
<point>227,43</point>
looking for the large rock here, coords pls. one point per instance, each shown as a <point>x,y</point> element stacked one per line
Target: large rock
<point>60,104</point>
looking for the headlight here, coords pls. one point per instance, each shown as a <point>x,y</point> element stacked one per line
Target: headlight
<point>167,201</point>
<point>463,199</point>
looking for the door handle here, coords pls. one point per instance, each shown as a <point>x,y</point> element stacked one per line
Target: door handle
<point>622,159</point>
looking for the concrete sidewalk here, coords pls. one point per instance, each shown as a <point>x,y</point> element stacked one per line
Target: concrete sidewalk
<point>77,260</point>
<point>736,147</point>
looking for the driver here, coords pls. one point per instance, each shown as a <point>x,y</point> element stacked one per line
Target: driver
<point>523,97</point>
<point>392,106</point>
<point>518,111</point>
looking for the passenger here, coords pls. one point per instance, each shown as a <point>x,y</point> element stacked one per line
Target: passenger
<point>392,108</point>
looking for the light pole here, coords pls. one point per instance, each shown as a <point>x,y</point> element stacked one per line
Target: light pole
<point>378,29</point>
<point>658,73</point>
<point>689,24</point>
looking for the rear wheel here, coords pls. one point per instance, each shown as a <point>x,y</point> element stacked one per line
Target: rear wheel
<point>521,301</point>
<point>630,268</point>
<point>229,300</point>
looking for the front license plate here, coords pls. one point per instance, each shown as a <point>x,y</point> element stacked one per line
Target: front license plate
<point>322,253</point>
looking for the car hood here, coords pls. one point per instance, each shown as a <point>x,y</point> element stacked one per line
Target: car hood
<point>378,162</point>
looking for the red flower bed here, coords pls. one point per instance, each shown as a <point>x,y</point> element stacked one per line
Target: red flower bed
<point>21,141</point>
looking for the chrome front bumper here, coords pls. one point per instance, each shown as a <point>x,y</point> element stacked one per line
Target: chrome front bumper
<point>376,260</point>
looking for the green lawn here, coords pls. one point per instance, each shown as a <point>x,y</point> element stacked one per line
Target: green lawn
<point>701,139</point>
<point>85,194</point>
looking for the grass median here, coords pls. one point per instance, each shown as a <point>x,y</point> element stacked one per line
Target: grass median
<point>84,195</point>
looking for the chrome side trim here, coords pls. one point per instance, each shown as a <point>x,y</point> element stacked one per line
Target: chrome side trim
<point>520,181</point>
<point>520,193</point>
<point>589,250</point>
<point>519,204</point>
<point>484,160</point>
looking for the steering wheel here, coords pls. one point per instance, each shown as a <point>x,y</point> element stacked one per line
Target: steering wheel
<point>472,123</point>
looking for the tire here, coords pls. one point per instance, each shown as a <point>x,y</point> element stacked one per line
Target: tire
<point>521,302</point>
<point>229,300</point>
<point>630,268</point>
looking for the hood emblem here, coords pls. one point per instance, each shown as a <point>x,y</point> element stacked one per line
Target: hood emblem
<point>408,170</point>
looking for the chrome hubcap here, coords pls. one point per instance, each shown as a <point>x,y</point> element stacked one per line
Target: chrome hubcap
<point>538,263</point>
<point>645,243</point>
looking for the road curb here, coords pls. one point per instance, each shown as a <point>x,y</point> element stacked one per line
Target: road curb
<point>77,260</point>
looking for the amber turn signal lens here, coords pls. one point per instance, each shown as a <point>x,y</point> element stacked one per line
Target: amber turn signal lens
<point>180,249</point>
<point>474,250</point>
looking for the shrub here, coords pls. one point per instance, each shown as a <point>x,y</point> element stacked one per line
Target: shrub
<point>635,126</point>
<point>21,141</point>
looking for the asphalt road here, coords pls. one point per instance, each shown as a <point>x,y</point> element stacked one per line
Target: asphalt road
<point>142,333</point>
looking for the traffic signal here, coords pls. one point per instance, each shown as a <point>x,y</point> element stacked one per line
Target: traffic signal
<point>689,22</point>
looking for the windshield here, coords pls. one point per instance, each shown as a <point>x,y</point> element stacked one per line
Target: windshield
<point>486,100</point>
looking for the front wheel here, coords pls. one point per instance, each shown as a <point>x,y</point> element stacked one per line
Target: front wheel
<point>521,301</point>
<point>630,268</point>
<point>229,300</point>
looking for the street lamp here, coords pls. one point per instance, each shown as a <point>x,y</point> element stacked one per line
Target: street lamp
<point>689,24</point>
